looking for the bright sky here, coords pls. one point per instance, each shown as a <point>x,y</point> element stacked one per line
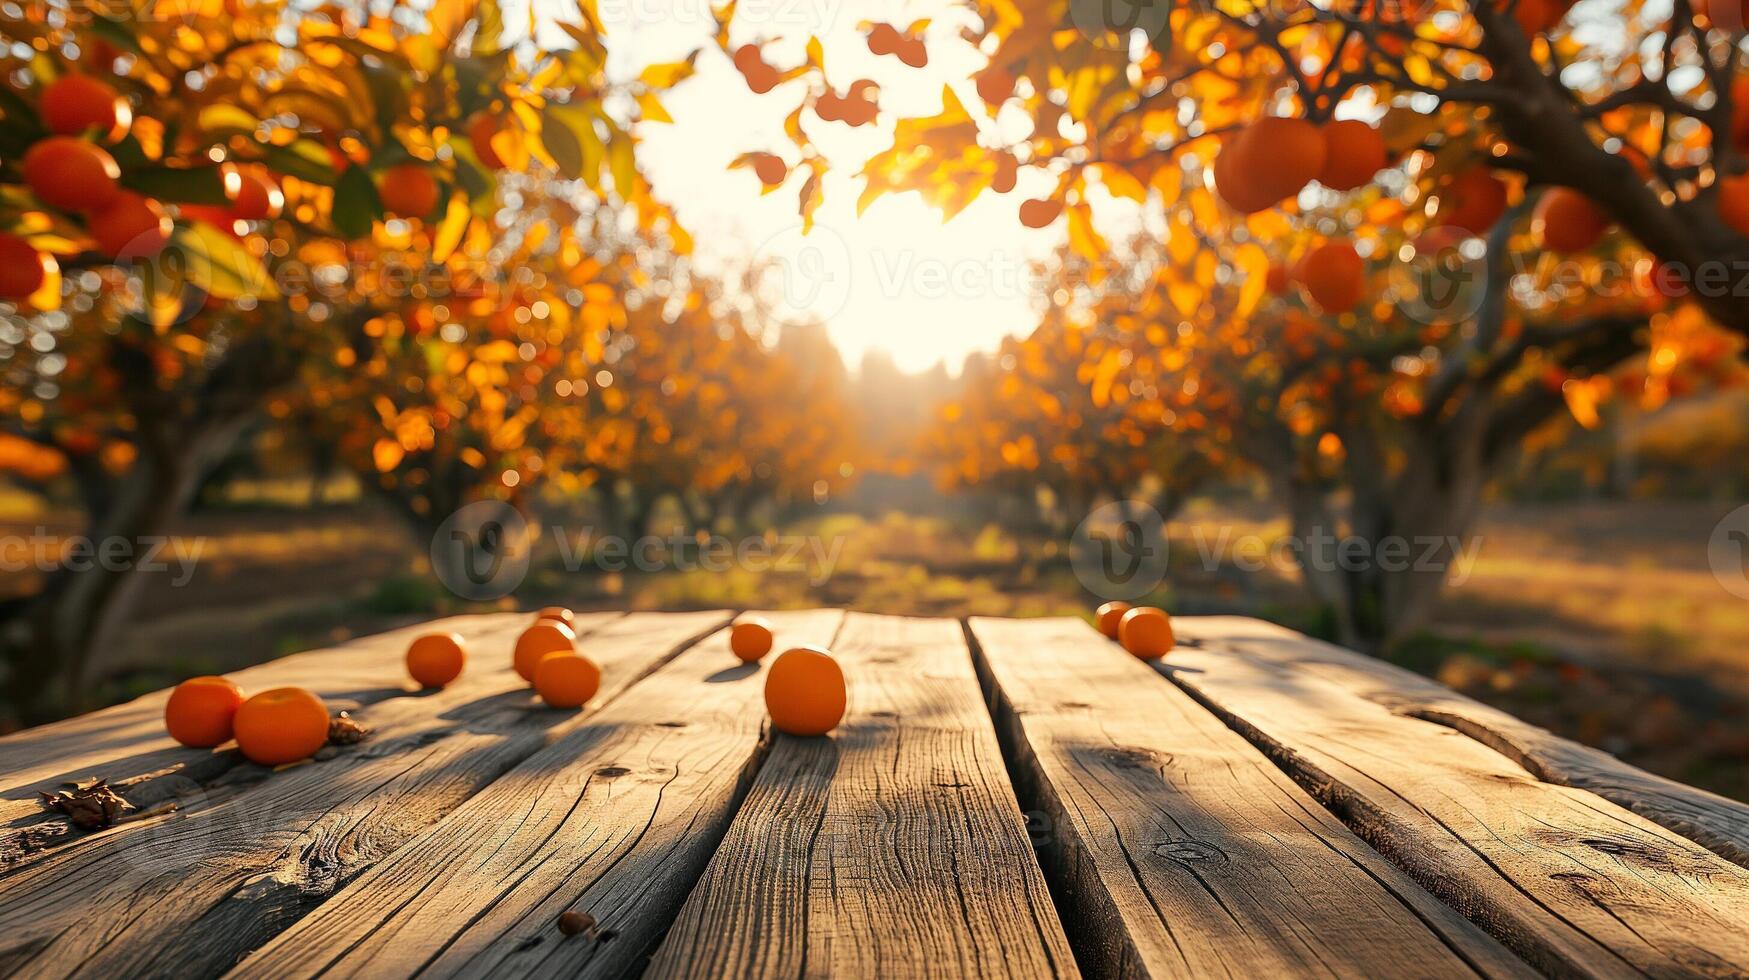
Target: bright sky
<point>896,278</point>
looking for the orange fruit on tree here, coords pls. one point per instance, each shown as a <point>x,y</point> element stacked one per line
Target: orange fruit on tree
<point>481,128</point>
<point>1146,632</point>
<point>1039,212</point>
<point>1472,200</point>
<point>804,692</point>
<point>1334,275</point>
<point>995,84</point>
<point>559,613</point>
<point>1109,615</point>
<point>1740,113</point>
<point>544,637</point>
<point>435,659</point>
<point>408,191</point>
<point>1568,221</point>
<point>1271,159</point>
<point>285,724</point>
<point>130,227</point>
<point>1734,202</point>
<point>1537,16</point>
<point>750,638</point>
<point>74,104</point>
<point>769,168</point>
<point>71,174</point>
<point>200,711</point>
<point>23,267</point>
<point>1354,152</point>
<point>566,680</point>
<point>254,194</point>
<point>1729,16</point>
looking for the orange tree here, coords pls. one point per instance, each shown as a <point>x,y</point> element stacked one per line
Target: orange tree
<point>1321,147</point>
<point>164,179</point>
<point>1064,408</point>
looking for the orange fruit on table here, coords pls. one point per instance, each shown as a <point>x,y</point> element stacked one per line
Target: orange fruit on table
<point>1109,614</point>
<point>566,680</point>
<point>1734,202</point>
<point>23,268</point>
<point>255,196</point>
<point>130,227</point>
<point>71,174</point>
<point>1268,161</point>
<point>1568,221</point>
<point>1472,200</point>
<point>200,711</point>
<point>1334,275</point>
<point>750,638</point>
<point>1354,152</point>
<point>559,613</point>
<point>74,104</point>
<point>408,190</point>
<point>435,659</point>
<point>1146,632</point>
<point>544,637</point>
<point>804,692</point>
<point>286,724</point>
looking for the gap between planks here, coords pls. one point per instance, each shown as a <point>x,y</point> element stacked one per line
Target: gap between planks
<point>1176,848</point>
<point>617,819</point>
<point>244,859</point>
<point>1569,880</point>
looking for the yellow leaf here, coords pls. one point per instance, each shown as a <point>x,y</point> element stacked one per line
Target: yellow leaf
<point>454,226</point>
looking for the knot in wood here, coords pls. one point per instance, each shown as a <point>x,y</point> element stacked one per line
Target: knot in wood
<point>1189,851</point>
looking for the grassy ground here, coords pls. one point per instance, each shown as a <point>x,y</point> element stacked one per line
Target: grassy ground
<point>1601,622</point>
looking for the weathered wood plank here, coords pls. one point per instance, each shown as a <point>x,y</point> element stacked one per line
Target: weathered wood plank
<point>1181,850</point>
<point>1571,882</point>
<point>617,819</point>
<point>253,851</point>
<point>1708,819</point>
<point>126,743</point>
<point>893,848</point>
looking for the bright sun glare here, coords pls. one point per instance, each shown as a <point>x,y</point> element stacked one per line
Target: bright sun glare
<point>894,278</point>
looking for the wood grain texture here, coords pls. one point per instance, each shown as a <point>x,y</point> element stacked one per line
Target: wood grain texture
<point>1180,849</point>
<point>892,848</point>
<point>1571,882</point>
<point>188,894</point>
<point>127,744</point>
<point>1708,819</point>
<point>617,820</point>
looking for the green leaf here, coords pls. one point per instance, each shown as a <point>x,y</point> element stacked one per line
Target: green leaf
<point>356,204</point>
<point>388,90</point>
<point>116,33</point>
<point>304,159</point>
<point>563,142</point>
<point>220,266</point>
<point>179,185</point>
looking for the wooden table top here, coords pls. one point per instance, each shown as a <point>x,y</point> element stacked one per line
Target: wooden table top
<point>1004,798</point>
